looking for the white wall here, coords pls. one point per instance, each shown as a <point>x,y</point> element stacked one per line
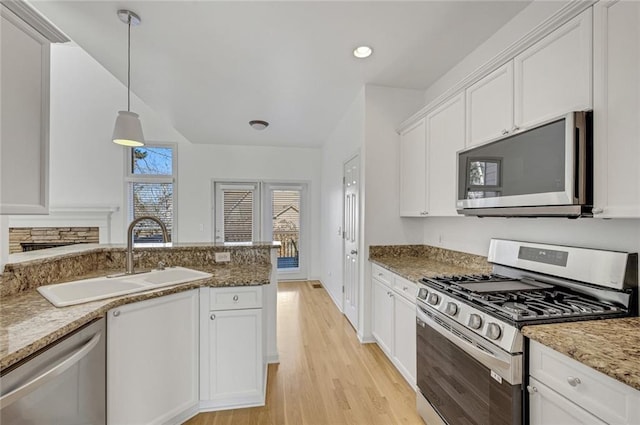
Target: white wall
<point>345,141</point>
<point>87,169</point>
<point>199,165</point>
<point>470,234</point>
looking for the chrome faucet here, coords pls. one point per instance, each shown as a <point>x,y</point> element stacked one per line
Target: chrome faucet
<point>129,261</point>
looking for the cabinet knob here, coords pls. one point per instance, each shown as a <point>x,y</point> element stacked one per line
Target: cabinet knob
<point>354,252</point>
<point>235,298</point>
<point>515,128</point>
<point>380,274</point>
<point>212,317</point>
<point>404,288</point>
<point>531,389</point>
<point>505,131</point>
<point>573,381</point>
<point>116,313</point>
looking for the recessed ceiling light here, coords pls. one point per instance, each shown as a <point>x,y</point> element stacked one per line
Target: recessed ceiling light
<point>258,124</point>
<point>362,52</point>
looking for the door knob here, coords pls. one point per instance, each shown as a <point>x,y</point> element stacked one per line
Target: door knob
<point>354,252</point>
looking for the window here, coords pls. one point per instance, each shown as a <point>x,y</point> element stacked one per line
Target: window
<point>150,190</point>
<point>237,212</point>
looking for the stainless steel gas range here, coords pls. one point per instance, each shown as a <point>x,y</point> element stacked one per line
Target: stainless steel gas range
<point>470,351</point>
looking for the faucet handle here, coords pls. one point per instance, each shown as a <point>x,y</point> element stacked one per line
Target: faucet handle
<point>161,265</point>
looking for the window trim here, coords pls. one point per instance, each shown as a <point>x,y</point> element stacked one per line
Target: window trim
<point>129,177</point>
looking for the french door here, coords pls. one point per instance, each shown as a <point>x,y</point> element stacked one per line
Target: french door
<point>265,211</point>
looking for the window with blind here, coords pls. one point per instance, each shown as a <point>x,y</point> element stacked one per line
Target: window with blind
<point>150,188</point>
<point>237,212</point>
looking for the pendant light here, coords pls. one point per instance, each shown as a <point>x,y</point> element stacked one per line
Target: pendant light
<point>128,130</point>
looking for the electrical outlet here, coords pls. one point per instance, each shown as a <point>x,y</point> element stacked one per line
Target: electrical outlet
<point>223,257</point>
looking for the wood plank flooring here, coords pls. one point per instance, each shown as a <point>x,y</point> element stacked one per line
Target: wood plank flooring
<point>325,376</point>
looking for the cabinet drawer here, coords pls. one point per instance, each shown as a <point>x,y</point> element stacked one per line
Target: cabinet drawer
<point>382,274</point>
<point>406,288</point>
<point>601,395</point>
<point>236,297</point>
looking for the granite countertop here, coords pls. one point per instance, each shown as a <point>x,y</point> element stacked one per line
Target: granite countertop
<point>28,322</point>
<point>416,261</point>
<point>609,346</point>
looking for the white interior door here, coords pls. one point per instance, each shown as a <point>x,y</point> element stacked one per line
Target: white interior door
<point>351,239</point>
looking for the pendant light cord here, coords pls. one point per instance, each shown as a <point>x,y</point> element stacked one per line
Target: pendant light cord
<point>129,66</point>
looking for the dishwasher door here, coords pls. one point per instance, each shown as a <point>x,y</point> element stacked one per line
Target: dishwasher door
<point>63,385</point>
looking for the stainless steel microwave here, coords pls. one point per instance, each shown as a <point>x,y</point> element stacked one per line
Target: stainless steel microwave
<point>544,171</point>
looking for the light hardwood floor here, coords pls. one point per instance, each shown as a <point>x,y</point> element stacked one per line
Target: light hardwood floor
<point>325,376</point>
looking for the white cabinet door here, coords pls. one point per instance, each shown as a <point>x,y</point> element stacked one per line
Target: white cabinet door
<point>405,338</point>
<point>413,171</point>
<point>152,359</point>
<point>553,76</point>
<point>382,326</point>
<point>24,119</point>
<point>616,109</point>
<point>490,106</point>
<point>546,407</point>
<point>445,136</point>
<point>236,360</point>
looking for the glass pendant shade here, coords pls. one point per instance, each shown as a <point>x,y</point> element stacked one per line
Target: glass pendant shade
<point>128,130</point>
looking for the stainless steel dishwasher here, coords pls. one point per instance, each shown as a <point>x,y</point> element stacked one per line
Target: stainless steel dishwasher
<point>62,385</point>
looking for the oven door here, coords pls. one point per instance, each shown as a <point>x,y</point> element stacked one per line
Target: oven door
<point>464,379</point>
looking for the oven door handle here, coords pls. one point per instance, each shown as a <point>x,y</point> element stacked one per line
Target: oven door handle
<point>51,373</point>
<point>505,367</point>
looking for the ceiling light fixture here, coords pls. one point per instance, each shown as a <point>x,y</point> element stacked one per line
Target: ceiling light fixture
<point>128,130</point>
<point>258,124</point>
<point>362,52</point>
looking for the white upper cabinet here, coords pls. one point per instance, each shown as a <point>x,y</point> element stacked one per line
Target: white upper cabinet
<point>445,136</point>
<point>553,76</point>
<point>616,109</point>
<point>490,106</point>
<point>428,161</point>
<point>413,171</point>
<point>24,146</point>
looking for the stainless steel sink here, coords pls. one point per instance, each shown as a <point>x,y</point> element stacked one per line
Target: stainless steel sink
<point>85,290</point>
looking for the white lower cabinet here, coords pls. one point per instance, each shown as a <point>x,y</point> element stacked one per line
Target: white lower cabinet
<point>382,327</point>
<point>563,391</point>
<point>232,359</point>
<point>394,320</point>
<point>547,407</point>
<point>152,360</point>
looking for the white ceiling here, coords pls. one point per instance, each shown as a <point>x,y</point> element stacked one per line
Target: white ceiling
<point>209,67</point>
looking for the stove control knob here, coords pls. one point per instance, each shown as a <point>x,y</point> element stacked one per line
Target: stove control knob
<point>433,298</point>
<point>475,321</point>
<point>451,309</point>
<point>493,331</point>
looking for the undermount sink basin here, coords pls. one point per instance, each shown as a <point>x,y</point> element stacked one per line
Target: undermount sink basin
<point>85,290</point>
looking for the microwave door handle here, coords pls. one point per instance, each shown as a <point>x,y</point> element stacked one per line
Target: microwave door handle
<point>580,159</point>
<point>47,376</point>
<point>489,360</point>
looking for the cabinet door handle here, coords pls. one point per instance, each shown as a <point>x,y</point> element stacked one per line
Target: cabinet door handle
<point>531,389</point>
<point>116,313</point>
<point>235,298</point>
<point>505,131</point>
<point>515,128</point>
<point>573,381</point>
<point>404,288</point>
<point>212,317</point>
<point>380,274</point>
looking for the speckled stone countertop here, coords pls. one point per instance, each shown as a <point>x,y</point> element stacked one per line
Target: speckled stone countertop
<point>28,322</point>
<point>609,346</point>
<point>416,261</point>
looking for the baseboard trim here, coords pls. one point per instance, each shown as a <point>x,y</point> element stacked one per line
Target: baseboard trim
<point>273,359</point>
